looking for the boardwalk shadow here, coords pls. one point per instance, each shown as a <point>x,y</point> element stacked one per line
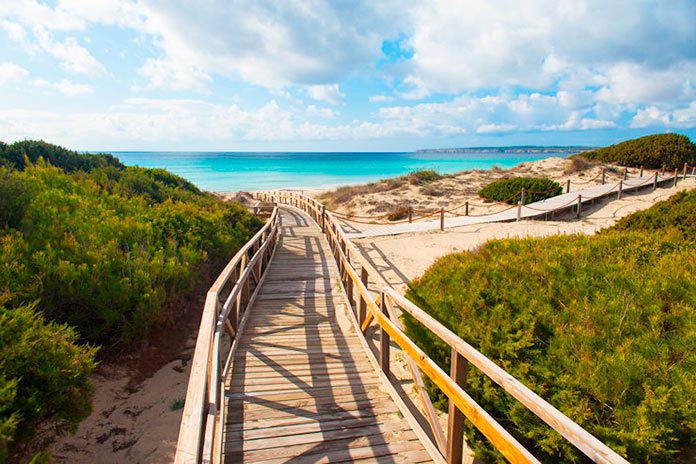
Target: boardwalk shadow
<point>301,388</point>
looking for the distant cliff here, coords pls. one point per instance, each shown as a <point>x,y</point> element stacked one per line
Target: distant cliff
<point>520,149</point>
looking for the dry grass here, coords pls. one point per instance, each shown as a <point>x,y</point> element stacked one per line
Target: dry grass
<point>344,195</point>
<point>577,163</point>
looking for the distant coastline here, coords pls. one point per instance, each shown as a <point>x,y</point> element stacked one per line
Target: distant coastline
<point>513,149</point>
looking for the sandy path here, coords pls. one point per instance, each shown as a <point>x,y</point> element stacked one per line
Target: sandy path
<point>404,257</point>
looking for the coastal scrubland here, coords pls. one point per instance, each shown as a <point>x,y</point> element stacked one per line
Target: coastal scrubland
<point>392,196</point>
<point>601,326</point>
<point>510,190</point>
<point>670,151</point>
<point>95,254</point>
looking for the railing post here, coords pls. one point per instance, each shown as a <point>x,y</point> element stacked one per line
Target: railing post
<point>686,165</point>
<point>455,420</point>
<point>604,175</point>
<point>523,195</point>
<point>362,312</point>
<point>383,338</point>
<point>625,174</point>
<point>466,208</point>
<point>519,210</point>
<point>641,171</point>
<point>568,186</point>
<point>442,218</point>
<point>655,182</point>
<point>676,176</point>
<point>693,170</point>
<point>410,214</point>
<point>579,205</point>
<point>618,196</point>
<point>662,173</point>
<point>323,218</point>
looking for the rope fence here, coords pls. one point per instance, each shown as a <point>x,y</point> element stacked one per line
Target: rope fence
<point>422,214</point>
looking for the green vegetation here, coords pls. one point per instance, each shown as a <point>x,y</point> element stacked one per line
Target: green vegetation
<point>510,190</point>
<point>602,327</point>
<point>652,152</point>
<point>424,176</point>
<point>94,254</point>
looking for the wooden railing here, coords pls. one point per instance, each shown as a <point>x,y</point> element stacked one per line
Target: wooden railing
<point>200,433</point>
<point>379,305</point>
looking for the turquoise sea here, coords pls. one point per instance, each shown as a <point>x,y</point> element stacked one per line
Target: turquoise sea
<point>232,171</point>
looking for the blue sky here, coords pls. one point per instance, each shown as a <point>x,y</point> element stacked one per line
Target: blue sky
<point>342,76</point>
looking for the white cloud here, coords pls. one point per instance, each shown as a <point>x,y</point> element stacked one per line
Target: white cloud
<point>166,74</point>
<point>73,57</point>
<point>65,87</point>
<point>380,98</point>
<point>653,116</point>
<point>321,112</point>
<point>11,72</point>
<point>329,93</point>
<point>460,46</point>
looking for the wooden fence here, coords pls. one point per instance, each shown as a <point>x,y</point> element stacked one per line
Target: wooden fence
<point>380,306</point>
<point>200,433</point>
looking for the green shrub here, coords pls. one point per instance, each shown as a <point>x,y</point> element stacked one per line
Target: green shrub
<point>510,190</point>
<point>652,152</point>
<point>16,155</point>
<point>43,375</point>
<point>602,327</point>
<point>423,176</point>
<point>109,264</point>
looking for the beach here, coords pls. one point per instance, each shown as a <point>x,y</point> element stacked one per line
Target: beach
<point>135,421</point>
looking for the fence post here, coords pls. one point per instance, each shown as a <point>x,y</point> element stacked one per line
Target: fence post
<point>466,209</point>
<point>662,173</point>
<point>362,312</point>
<point>641,171</point>
<point>676,176</point>
<point>579,205</point>
<point>410,214</point>
<point>604,175</point>
<point>455,420</point>
<point>625,174</point>
<point>620,189</point>
<point>519,210</point>
<point>568,186</point>
<point>323,218</point>
<point>686,165</point>
<point>442,218</point>
<point>693,170</point>
<point>523,195</point>
<point>655,182</point>
<point>383,338</point>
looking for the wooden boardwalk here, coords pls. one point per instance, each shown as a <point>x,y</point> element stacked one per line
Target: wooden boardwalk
<point>301,387</point>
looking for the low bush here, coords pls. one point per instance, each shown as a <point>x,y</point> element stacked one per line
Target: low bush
<point>510,190</point>
<point>398,214</point>
<point>652,152</point>
<point>92,252</point>
<point>602,327</point>
<point>578,163</point>
<point>20,154</point>
<point>43,375</point>
<point>424,176</point>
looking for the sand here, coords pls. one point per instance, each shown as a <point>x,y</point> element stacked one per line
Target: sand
<point>402,258</point>
<point>454,190</point>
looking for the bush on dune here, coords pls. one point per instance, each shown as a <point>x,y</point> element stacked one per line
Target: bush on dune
<point>652,152</point>
<point>92,252</point>
<point>510,190</point>
<point>43,375</point>
<point>602,327</point>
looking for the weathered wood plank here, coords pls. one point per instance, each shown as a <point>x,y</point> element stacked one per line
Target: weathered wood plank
<point>301,385</point>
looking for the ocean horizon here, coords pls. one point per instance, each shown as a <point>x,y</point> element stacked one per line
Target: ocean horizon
<point>234,171</point>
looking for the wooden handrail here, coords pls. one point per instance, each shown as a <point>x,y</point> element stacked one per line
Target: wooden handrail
<point>200,439</point>
<point>344,251</point>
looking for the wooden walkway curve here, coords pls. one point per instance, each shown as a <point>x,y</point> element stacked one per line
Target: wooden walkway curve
<point>301,387</point>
